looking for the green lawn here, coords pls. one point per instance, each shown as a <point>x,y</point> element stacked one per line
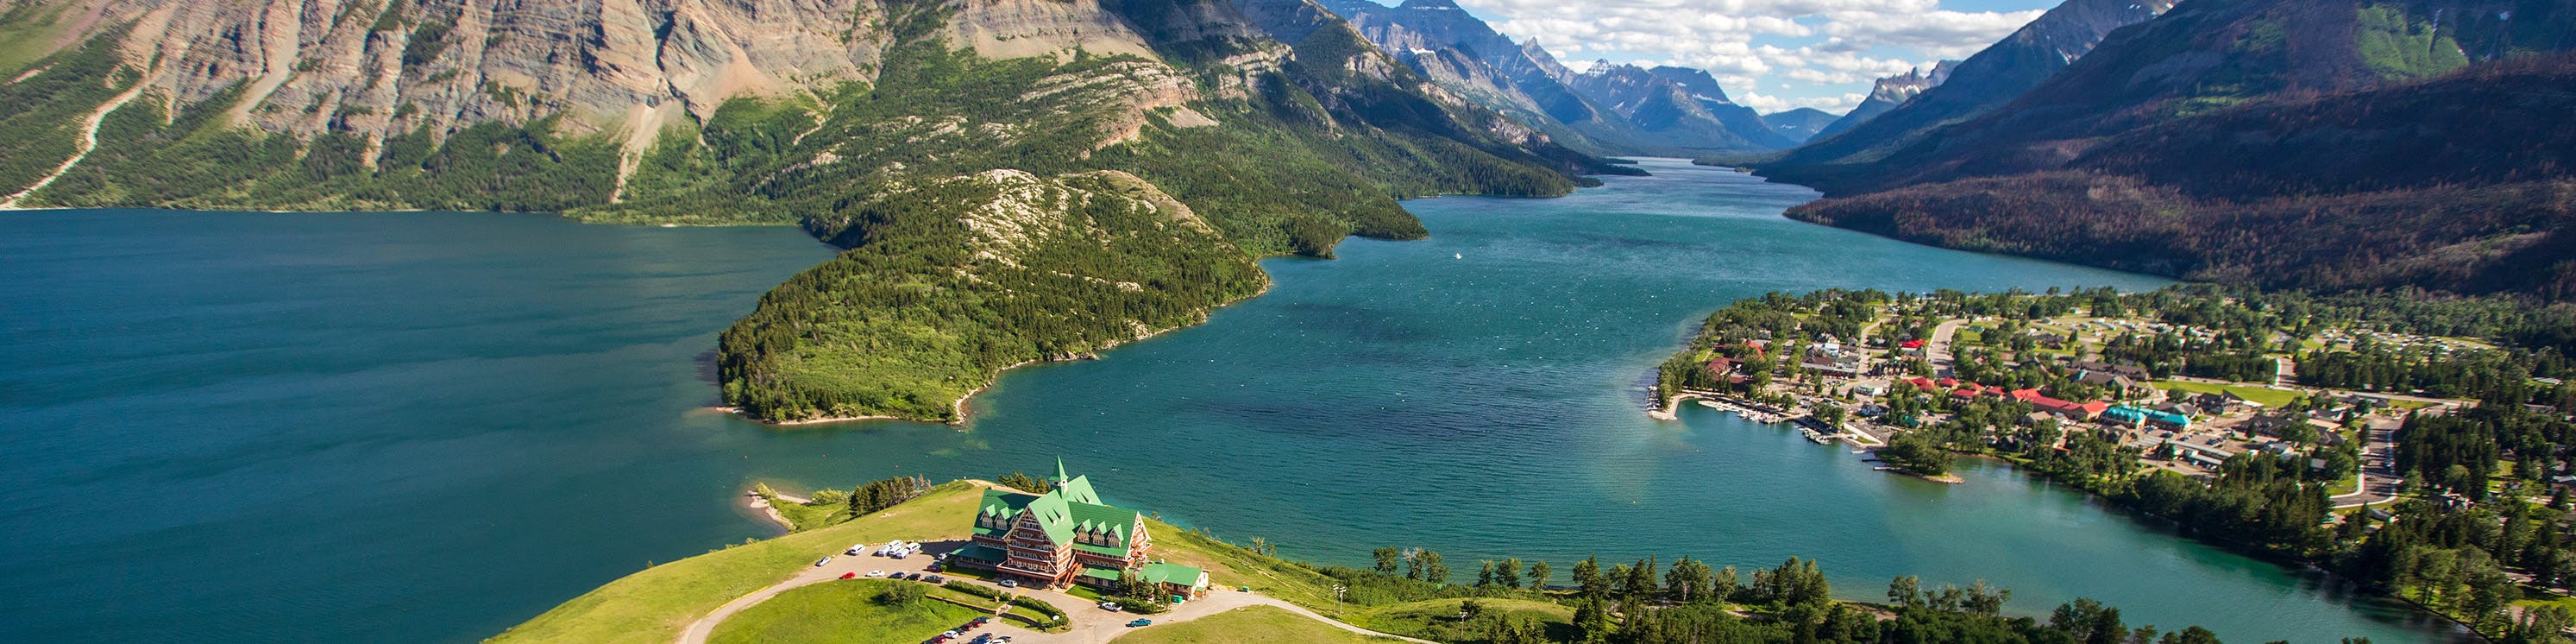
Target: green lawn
<point>1428,619</point>
<point>1247,625</point>
<point>841,611</point>
<point>1230,566</point>
<point>2268,396</point>
<point>651,606</point>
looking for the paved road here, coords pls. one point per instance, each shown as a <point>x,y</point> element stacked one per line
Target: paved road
<point>2378,476</point>
<point>1939,351</point>
<point>1091,625</point>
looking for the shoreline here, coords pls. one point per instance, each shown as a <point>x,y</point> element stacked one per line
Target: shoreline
<point>753,500</point>
<point>1672,408</point>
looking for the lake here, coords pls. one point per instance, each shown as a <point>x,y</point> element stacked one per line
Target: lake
<point>241,427</point>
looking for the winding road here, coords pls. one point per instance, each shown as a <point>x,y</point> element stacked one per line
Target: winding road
<point>1091,625</point>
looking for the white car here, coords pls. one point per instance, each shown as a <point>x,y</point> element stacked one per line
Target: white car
<point>856,549</point>
<point>818,563</point>
<point>1109,606</point>
<point>876,573</point>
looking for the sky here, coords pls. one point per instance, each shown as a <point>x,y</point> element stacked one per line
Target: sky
<point>1771,55</point>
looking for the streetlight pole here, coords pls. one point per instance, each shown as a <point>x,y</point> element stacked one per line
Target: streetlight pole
<point>1337,600</point>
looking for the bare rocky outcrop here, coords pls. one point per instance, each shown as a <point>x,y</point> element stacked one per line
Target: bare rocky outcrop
<point>375,69</point>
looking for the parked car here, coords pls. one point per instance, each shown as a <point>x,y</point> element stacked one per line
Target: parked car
<point>1109,606</point>
<point>849,575</point>
<point>1010,583</point>
<point>980,621</point>
<point>818,563</point>
<point>872,574</point>
<point>936,579</point>
<point>856,549</point>
<point>1140,623</point>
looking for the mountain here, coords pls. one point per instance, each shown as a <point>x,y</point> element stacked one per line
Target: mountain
<point>1992,77</point>
<point>1587,111</point>
<point>1890,92</point>
<point>1800,124</point>
<point>1013,180</point>
<point>2325,144</point>
<point>1671,113</point>
<point>1739,120</point>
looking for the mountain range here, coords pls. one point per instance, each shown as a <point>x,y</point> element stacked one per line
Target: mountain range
<point>1888,93</point>
<point>1984,81</point>
<point>1801,124</point>
<point>1606,109</point>
<point>2318,144</point>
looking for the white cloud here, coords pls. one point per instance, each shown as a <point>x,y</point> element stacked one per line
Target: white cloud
<point>1816,42</point>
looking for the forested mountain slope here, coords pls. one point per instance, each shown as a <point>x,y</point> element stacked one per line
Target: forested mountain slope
<point>876,124</point>
<point>1989,79</point>
<point>2293,143</point>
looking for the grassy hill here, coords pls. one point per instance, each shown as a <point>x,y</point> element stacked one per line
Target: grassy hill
<point>653,605</point>
<point>1248,625</point>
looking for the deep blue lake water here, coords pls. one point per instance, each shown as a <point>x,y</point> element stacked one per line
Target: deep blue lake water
<point>238,427</point>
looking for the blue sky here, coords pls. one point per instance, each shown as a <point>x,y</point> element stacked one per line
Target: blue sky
<point>1770,54</point>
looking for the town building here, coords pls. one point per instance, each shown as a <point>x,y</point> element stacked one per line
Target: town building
<point>1068,536</point>
<point>2132,416</point>
<point>2132,372</point>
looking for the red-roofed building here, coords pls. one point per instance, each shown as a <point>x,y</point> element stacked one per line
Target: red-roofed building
<point>2062,408</point>
<point>1922,383</point>
<point>1964,394</point>
<point>1948,382</point>
<point>1721,366</point>
<point>1910,344</point>
<point>1756,346</point>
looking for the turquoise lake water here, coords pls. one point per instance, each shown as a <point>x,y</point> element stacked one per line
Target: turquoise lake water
<point>239,427</point>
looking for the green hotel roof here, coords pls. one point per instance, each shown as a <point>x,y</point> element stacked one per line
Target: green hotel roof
<point>1061,513</point>
<point>1164,573</point>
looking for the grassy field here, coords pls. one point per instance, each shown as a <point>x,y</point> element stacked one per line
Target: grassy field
<point>1426,619</point>
<point>1248,625</point>
<point>2268,396</point>
<point>652,606</point>
<point>841,611</point>
<point>1231,566</point>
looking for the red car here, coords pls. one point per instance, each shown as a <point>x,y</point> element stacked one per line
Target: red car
<point>849,575</point>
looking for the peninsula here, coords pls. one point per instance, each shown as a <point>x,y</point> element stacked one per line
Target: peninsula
<point>2339,430</point>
